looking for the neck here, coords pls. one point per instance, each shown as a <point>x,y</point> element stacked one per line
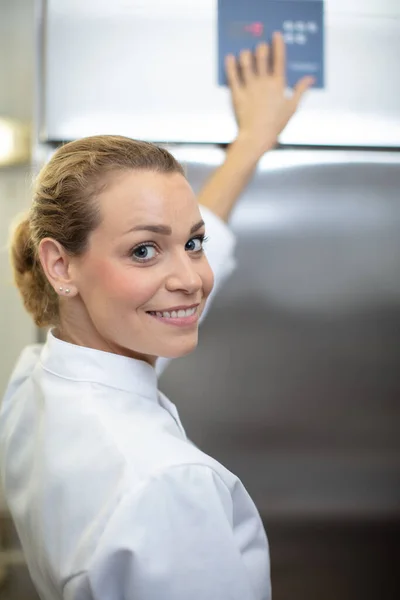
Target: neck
<point>82,332</point>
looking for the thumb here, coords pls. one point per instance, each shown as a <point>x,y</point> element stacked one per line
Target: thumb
<point>300,88</point>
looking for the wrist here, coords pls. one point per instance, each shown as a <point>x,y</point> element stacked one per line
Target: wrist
<point>252,148</point>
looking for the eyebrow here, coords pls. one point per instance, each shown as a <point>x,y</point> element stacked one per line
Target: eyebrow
<point>164,229</point>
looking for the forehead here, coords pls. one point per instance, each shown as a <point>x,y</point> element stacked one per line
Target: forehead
<point>147,197</point>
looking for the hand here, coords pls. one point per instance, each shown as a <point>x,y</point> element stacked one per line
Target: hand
<point>262,108</point>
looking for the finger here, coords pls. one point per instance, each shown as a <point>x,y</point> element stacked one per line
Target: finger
<point>247,66</point>
<point>301,87</point>
<point>232,73</point>
<point>278,55</point>
<point>262,58</point>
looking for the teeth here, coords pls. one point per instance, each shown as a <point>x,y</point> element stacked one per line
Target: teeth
<point>180,314</point>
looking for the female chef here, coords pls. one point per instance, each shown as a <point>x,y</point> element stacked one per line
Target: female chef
<point>108,496</point>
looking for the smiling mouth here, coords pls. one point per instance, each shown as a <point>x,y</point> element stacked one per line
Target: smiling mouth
<point>174,314</point>
<point>179,316</point>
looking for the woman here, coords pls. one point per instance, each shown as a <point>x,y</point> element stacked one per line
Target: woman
<point>109,497</point>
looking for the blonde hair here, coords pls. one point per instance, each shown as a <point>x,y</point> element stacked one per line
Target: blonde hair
<point>64,209</point>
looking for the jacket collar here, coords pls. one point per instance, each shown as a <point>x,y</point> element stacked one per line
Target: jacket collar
<point>79,363</point>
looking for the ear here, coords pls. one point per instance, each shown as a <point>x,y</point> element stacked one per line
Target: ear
<point>56,265</point>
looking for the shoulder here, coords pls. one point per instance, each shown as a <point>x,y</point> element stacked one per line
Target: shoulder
<point>185,485</point>
<point>170,505</point>
<point>173,537</point>
<point>171,502</point>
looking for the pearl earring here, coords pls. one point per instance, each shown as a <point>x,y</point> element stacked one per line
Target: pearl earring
<point>61,289</point>
<point>67,291</point>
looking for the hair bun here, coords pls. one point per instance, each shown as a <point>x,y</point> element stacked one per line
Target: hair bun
<point>28,274</point>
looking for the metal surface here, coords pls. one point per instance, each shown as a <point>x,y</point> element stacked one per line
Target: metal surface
<point>296,381</point>
<point>148,69</point>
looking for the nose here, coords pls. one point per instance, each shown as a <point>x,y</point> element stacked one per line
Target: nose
<point>184,275</point>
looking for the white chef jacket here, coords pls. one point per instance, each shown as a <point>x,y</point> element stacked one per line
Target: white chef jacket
<point>110,499</point>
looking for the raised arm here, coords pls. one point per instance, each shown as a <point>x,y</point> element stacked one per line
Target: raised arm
<point>262,110</point>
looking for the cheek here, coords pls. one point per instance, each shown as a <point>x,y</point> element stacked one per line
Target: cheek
<point>121,283</point>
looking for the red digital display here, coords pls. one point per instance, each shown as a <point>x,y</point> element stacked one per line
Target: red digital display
<point>256,29</point>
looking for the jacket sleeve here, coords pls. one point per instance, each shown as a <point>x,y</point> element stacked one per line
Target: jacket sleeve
<point>172,540</point>
<point>219,249</point>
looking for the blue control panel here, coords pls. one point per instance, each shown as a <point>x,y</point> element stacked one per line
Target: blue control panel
<point>245,23</point>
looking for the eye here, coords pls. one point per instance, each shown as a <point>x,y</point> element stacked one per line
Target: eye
<point>195,244</point>
<point>144,252</point>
